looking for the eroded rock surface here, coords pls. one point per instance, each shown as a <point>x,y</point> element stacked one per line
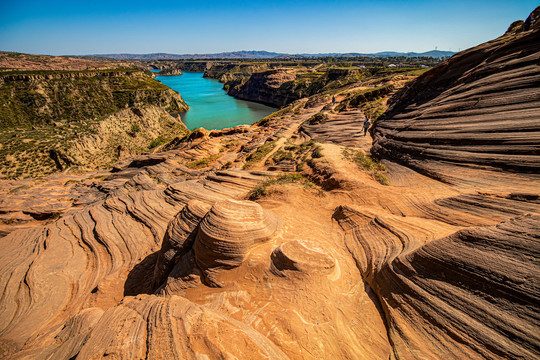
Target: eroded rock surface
<point>229,230</point>
<point>163,257</point>
<point>478,109</point>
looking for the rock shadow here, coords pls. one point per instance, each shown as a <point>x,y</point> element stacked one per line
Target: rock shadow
<point>141,278</point>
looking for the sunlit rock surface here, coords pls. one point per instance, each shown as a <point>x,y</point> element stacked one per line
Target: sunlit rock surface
<point>164,256</point>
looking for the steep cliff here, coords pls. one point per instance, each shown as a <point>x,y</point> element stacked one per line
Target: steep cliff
<point>35,98</point>
<point>232,71</point>
<point>273,87</point>
<point>48,114</point>
<point>282,86</point>
<point>170,72</point>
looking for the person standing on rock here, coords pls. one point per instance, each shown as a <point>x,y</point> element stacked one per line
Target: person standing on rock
<point>367,124</point>
<point>333,100</point>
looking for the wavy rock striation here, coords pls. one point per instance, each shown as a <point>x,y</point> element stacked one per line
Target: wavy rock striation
<point>160,328</point>
<point>229,230</point>
<point>93,256</point>
<point>301,255</point>
<point>179,237</point>
<point>481,108</point>
<point>161,257</point>
<point>473,294</point>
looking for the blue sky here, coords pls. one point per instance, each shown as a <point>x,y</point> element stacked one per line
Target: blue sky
<point>99,27</point>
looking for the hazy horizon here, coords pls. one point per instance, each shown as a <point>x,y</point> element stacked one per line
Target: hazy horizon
<point>181,27</point>
<point>257,50</point>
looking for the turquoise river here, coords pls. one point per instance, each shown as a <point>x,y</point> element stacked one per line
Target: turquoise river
<point>209,105</point>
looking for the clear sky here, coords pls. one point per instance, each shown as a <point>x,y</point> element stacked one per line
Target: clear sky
<point>79,27</point>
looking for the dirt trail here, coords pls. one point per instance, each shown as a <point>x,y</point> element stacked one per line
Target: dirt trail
<point>286,135</point>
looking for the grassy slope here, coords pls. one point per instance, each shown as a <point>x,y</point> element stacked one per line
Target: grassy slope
<point>44,110</point>
<point>41,97</point>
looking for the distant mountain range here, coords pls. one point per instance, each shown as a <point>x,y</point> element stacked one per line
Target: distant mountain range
<point>267,55</point>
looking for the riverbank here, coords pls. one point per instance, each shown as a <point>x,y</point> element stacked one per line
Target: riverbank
<point>210,106</point>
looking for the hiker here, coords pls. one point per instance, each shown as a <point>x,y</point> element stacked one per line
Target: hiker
<point>367,123</point>
<point>333,100</point>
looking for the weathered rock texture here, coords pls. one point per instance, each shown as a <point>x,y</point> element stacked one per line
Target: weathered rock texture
<point>179,237</point>
<point>95,247</point>
<point>302,255</point>
<point>470,295</point>
<point>46,96</point>
<point>229,230</point>
<point>162,257</point>
<point>280,87</point>
<point>269,87</point>
<point>169,72</point>
<point>481,108</point>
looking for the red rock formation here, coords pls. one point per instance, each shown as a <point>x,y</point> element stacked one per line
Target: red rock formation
<point>161,260</point>
<point>481,108</point>
<point>268,87</point>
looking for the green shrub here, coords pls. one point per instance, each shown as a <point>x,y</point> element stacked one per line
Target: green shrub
<point>204,162</point>
<point>367,163</point>
<point>259,154</point>
<point>317,118</point>
<point>135,128</point>
<point>160,140</point>
<point>261,189</point>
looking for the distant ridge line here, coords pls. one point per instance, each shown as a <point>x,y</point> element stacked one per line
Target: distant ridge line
<point>253,54</point>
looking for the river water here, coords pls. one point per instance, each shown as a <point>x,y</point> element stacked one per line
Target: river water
<point>209,105</point>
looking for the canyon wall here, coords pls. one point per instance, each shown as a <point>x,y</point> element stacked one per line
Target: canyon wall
<point>54,120</point>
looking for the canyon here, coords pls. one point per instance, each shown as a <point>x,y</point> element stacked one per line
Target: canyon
<point>83,118</point>
<point>299,237</point>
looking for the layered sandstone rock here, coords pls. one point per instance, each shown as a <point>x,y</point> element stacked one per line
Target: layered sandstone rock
<point>269,87</point>
<point>160,328</point>
<point>229,230</point>
<point>93,256</point>
<point>473,294</point>
<point>160,259</point>
<point>170,72</point>
<point>478,109</point>
<point>179,237</point>
<point>303,256</point>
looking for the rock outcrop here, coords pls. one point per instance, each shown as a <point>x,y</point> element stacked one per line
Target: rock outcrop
<point>39,98</point>
<point>469,295</point>
<point>480,108</point>
<point>179,237</point>
<point>301,255</point>
<point>282,86</point>
<point>107,240</point>
<point>269,87</point>
<point>229,230</point>
<point>170,72</point>
<point>150,321</point>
